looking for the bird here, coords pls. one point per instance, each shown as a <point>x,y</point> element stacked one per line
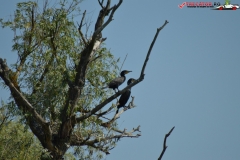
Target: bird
<point>125,96</point>
<point>114,84</point>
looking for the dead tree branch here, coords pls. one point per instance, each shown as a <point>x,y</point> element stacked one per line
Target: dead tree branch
<point>151,46</point>
<point>101,105</point>
<point>164,143</point>
<point>130,134</point>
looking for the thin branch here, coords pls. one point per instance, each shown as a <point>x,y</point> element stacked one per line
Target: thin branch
<point>124,131</point>
<point>164,143</point>
<point>102,117</point>
<point>97,115</point>
<point>151,46</point>
<point>79,28</point>
<point>124,61</point>
<point>108,110</point>
<point>97,140</point>
<point>32,19</point>
<point>72,6</point>
<point>94,59</point>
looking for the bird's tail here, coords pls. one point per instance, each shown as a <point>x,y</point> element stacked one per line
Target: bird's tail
<point>104,87</point>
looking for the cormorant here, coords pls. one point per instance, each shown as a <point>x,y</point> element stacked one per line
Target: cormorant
<point>114,84</point>
<point>125,96</point>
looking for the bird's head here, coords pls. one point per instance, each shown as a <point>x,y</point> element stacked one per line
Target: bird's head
<point>131,80</point>
<point>124,72</point>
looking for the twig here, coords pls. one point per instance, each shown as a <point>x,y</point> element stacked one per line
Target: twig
<point>164,143</point>
<point>79,28</point>
<point>124,61</point>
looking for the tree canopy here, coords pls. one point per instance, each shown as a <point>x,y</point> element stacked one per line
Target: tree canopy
<point>56,82</point>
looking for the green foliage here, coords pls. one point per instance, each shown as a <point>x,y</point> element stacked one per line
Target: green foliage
<point>49,48</point>
<point>52,45</point>
<point>227,2</point>
<point>15,141</point>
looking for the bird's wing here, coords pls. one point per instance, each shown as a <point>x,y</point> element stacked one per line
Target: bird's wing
<point>124,98</point>
<point>117,81</point>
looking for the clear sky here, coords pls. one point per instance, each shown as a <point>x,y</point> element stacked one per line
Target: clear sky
<point>192,79</point>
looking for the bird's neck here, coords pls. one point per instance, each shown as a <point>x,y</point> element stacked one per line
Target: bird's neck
<point>124,78</point>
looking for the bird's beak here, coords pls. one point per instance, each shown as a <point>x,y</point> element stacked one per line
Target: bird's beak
<point>127,72</point>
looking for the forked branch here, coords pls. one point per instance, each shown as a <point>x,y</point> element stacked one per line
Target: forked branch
<point>164,143</point>
<point>100,28</point>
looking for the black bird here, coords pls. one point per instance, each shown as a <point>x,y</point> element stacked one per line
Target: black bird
<point>125,96</point>
<point>114,84</point>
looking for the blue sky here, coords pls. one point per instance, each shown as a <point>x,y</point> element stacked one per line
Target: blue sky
<point>192,79</point>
